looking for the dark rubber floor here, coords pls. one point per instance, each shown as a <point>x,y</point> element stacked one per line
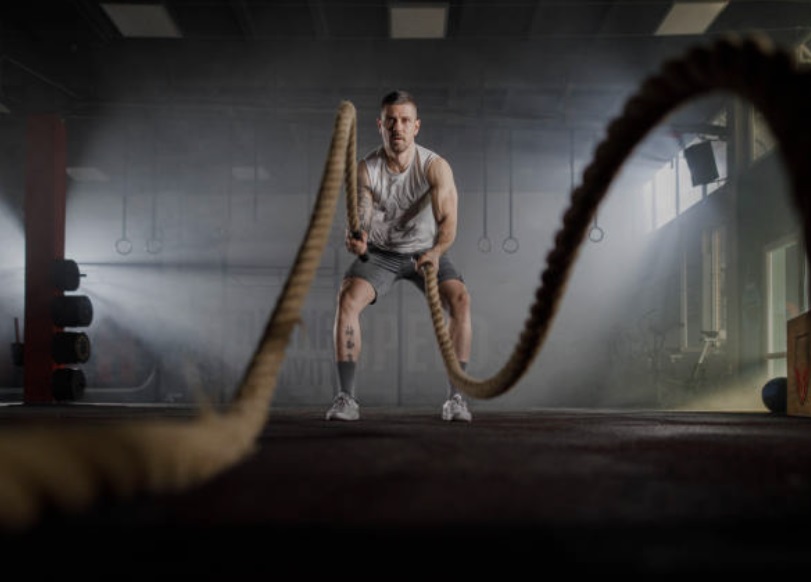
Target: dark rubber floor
<point>402,495</point>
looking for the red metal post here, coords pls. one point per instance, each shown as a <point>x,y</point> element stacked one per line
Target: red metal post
<point>45,193</point>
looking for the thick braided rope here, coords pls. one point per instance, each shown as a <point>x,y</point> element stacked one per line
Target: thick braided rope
<point>751,68</point>
<point>68,468</point>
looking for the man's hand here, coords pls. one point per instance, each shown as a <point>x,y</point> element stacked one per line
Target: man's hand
<point>429,257</point>
<point>356,243</point>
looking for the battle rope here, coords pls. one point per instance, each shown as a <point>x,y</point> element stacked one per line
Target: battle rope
<point>70,468</point>
<point>751,68</point>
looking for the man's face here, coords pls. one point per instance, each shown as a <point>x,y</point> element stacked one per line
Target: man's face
<point>398,125</point>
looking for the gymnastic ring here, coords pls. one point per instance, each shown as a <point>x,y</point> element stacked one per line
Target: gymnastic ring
<point>484,244</point>
<point>510,245</point>
<point>596,234</point>
<point>123,246</point>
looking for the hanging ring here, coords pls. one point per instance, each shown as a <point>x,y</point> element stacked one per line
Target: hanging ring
<point>484,244</point>
<point>510,245</point>
<point>123,246</point>
<point>596,234</point>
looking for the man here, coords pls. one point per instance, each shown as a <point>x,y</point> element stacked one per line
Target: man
<point>407,202</point>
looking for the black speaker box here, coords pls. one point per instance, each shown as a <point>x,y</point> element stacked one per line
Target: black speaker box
<point>701,161</point>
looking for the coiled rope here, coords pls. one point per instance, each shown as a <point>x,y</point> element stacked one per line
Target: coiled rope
<point>70,468</point>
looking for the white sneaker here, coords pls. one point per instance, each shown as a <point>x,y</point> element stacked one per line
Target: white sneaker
<point>344,407</point>
<point>455,408</point>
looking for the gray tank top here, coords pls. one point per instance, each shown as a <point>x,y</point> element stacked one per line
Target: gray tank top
<point>402,216</point>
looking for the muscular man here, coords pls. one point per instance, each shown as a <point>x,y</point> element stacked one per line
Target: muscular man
<point>407,202</point>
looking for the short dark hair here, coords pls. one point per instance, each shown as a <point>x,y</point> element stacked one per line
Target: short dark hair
<point>398,97</point>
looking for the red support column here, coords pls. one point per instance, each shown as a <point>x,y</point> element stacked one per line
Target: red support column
<point>45,193</point>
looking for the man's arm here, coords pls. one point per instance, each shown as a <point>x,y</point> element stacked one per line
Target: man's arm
<point>355,245</point>
<point>444,200</point>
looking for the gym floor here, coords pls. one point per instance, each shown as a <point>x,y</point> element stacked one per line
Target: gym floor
<point>401,494</point>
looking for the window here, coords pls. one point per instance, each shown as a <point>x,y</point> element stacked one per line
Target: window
<point>648,210</point>
<point>719,149</point>
<point>688,194</point>
<point>664,189</point>
<point>703,293</point>
<point>713,256</point>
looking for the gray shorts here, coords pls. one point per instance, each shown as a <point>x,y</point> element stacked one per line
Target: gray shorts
<point>384,268</point>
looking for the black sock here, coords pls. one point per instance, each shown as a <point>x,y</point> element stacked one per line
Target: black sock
<point>346,377</point>
<point>451,388</point>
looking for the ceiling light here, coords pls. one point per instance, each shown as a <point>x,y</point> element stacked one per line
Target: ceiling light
<point>418,21</point>
<point>690,18</point>
<point>142,20</point>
